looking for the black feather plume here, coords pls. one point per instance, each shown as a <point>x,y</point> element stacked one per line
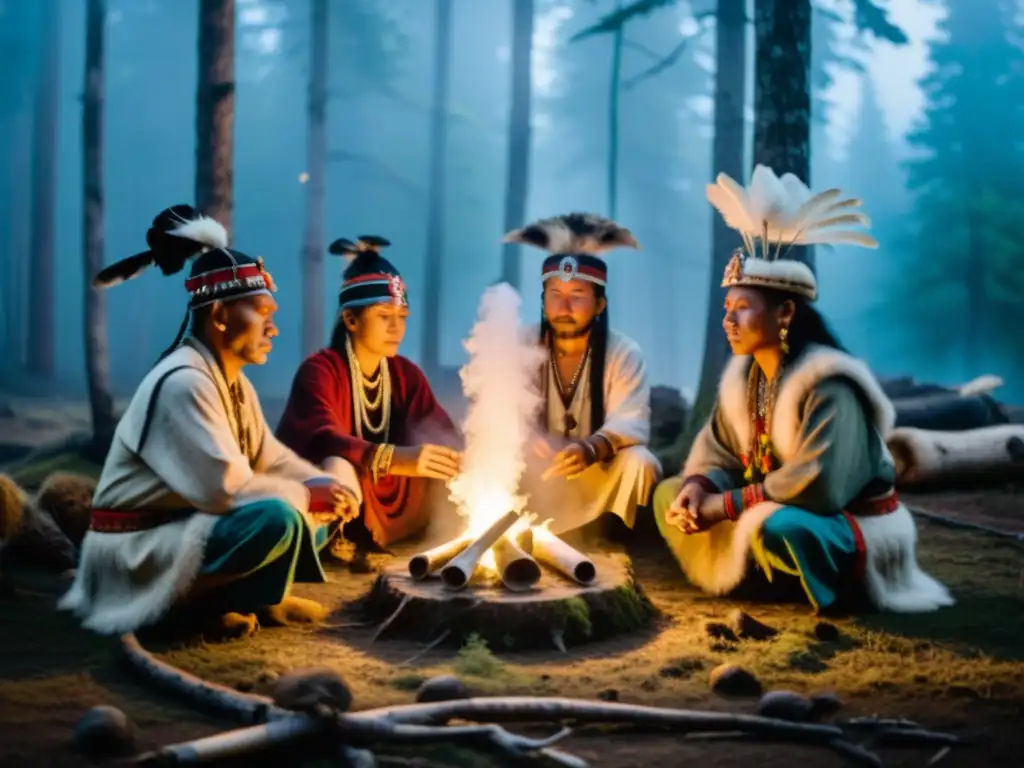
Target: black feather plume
<point>122,270</point>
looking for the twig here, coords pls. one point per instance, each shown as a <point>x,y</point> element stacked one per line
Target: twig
<point>938,756</point>
<point>388,621</point>
<point>243,707</point>
<point>527,709</point>
<point>917,736</point>
<point>427,649</point>
<point>672,57</point>
<point>856,752</point>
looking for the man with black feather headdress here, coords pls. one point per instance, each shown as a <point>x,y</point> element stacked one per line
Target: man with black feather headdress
<point>596,416</point>
<point>198,502</point>
<point>360,402</point>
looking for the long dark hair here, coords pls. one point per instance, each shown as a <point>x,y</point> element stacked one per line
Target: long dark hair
<point>808,326</point>
<point>598,353</point>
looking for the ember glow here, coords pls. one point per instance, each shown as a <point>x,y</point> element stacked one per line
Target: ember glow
<point>500,383</point>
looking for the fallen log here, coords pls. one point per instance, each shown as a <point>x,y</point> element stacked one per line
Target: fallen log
<point>928,458</point>
<point>949,412</point>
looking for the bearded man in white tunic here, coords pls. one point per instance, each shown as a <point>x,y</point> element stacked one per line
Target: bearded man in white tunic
<point>198,505</point>
<point>591,457</point>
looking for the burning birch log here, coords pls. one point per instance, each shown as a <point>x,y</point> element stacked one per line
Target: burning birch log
<point>518,571</point>
<point>426,563</point>
<point>554,552</point>
<point>458,572</point>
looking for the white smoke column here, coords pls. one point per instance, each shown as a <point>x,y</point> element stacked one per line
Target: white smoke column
<point>500,382</point>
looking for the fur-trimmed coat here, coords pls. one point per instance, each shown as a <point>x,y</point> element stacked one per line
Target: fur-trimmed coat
<point>829,425</point>
<point>190,459</point>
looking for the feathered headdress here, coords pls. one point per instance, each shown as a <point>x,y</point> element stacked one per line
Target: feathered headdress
<point>574,241</point>
<point>178,233</point>
<point>782,212</point>
<point>368,278</point>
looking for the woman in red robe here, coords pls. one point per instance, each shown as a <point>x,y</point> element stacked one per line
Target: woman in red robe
<point>360,400</point>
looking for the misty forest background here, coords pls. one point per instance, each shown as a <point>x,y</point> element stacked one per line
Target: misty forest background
<point>420,120</point>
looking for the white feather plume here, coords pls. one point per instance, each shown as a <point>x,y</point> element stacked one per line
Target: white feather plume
<point>203,230</point>
<point>784,212</point>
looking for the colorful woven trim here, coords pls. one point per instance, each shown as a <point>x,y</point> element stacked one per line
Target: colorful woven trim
<point>228,282</point>
<point>581,266</point>
<point>134,520</point>
<point>374,288</point>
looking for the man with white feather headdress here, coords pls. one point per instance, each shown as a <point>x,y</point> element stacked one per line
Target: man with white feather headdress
<point>595,420</point>
<point>792,472</point>
<point>198,505</point>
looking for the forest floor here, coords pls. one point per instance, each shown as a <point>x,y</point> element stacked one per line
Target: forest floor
<point>959,669</point>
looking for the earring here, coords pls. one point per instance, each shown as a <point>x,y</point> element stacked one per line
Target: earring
<point>783,344</point>
<point>220,327</point>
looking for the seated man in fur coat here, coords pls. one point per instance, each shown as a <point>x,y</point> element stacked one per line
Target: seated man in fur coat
<point>198,503</point>
<point>591,459</point>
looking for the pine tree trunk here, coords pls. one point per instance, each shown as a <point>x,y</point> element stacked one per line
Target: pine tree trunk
<point>215,110</point>
<point>782,91</point>
<point>519,132</point>
<point>97,355</point>
<point>41,262</point>
<point>614,88</point>
<point>727,149</point>
<point>431,352</point>
<point>316,189</point>
<point>20,213</point>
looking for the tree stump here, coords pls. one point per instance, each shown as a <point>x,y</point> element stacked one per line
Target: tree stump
<point>555,614</point>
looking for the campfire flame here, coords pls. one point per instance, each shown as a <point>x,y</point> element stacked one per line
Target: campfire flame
<point>500,382</point>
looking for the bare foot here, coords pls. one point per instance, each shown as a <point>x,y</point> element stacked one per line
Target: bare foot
<point>293,610</point>
<point>231,626</point>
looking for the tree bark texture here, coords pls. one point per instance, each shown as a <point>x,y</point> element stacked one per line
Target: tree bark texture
<point>215,110</point>
<point>20,214</point>
<point>97,353</point>
<point>41,259</point>
<point>316,184</point>
<point>519,132</point>
<point>614,90</point>
<point>431,351</point>
<point>727,154</point>
<point>782,91</point>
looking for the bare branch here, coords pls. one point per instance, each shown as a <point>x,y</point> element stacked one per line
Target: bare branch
<point>640,48</point>
<point>673,56</point>
<point>616,20</point>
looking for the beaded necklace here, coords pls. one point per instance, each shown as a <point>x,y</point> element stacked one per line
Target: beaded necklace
<point>568,393</point>
<point>380,402</point>
<point>760,458</point>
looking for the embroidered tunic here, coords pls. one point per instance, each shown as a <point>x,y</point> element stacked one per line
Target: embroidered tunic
<point>183,461</point>
<point>618,486</point>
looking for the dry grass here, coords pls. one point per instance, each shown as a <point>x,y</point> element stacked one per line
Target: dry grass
<point>958,666</point>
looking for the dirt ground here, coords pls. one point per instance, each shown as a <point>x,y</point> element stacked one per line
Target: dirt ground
<point>959,669</point>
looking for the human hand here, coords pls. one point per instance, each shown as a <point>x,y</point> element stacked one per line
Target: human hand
<point>709,513</point>
<point>568,462</point>
<point>434,461</point>
<point>346,505</point>
<point>683,510</point>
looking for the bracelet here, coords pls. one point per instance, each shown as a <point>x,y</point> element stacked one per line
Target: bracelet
<point>753,494</point>
<point>604,449</point>
<point>589,451</point>
<point>729,505</point>
<point>381,465</point>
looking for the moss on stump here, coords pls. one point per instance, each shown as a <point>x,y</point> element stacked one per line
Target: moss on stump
<point>557,613</point>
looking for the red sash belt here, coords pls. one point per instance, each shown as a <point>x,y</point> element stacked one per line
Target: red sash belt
<point>133,520</point>
<point>874,507</point>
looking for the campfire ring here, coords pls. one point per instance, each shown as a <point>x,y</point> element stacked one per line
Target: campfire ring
<point>554,613</point>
